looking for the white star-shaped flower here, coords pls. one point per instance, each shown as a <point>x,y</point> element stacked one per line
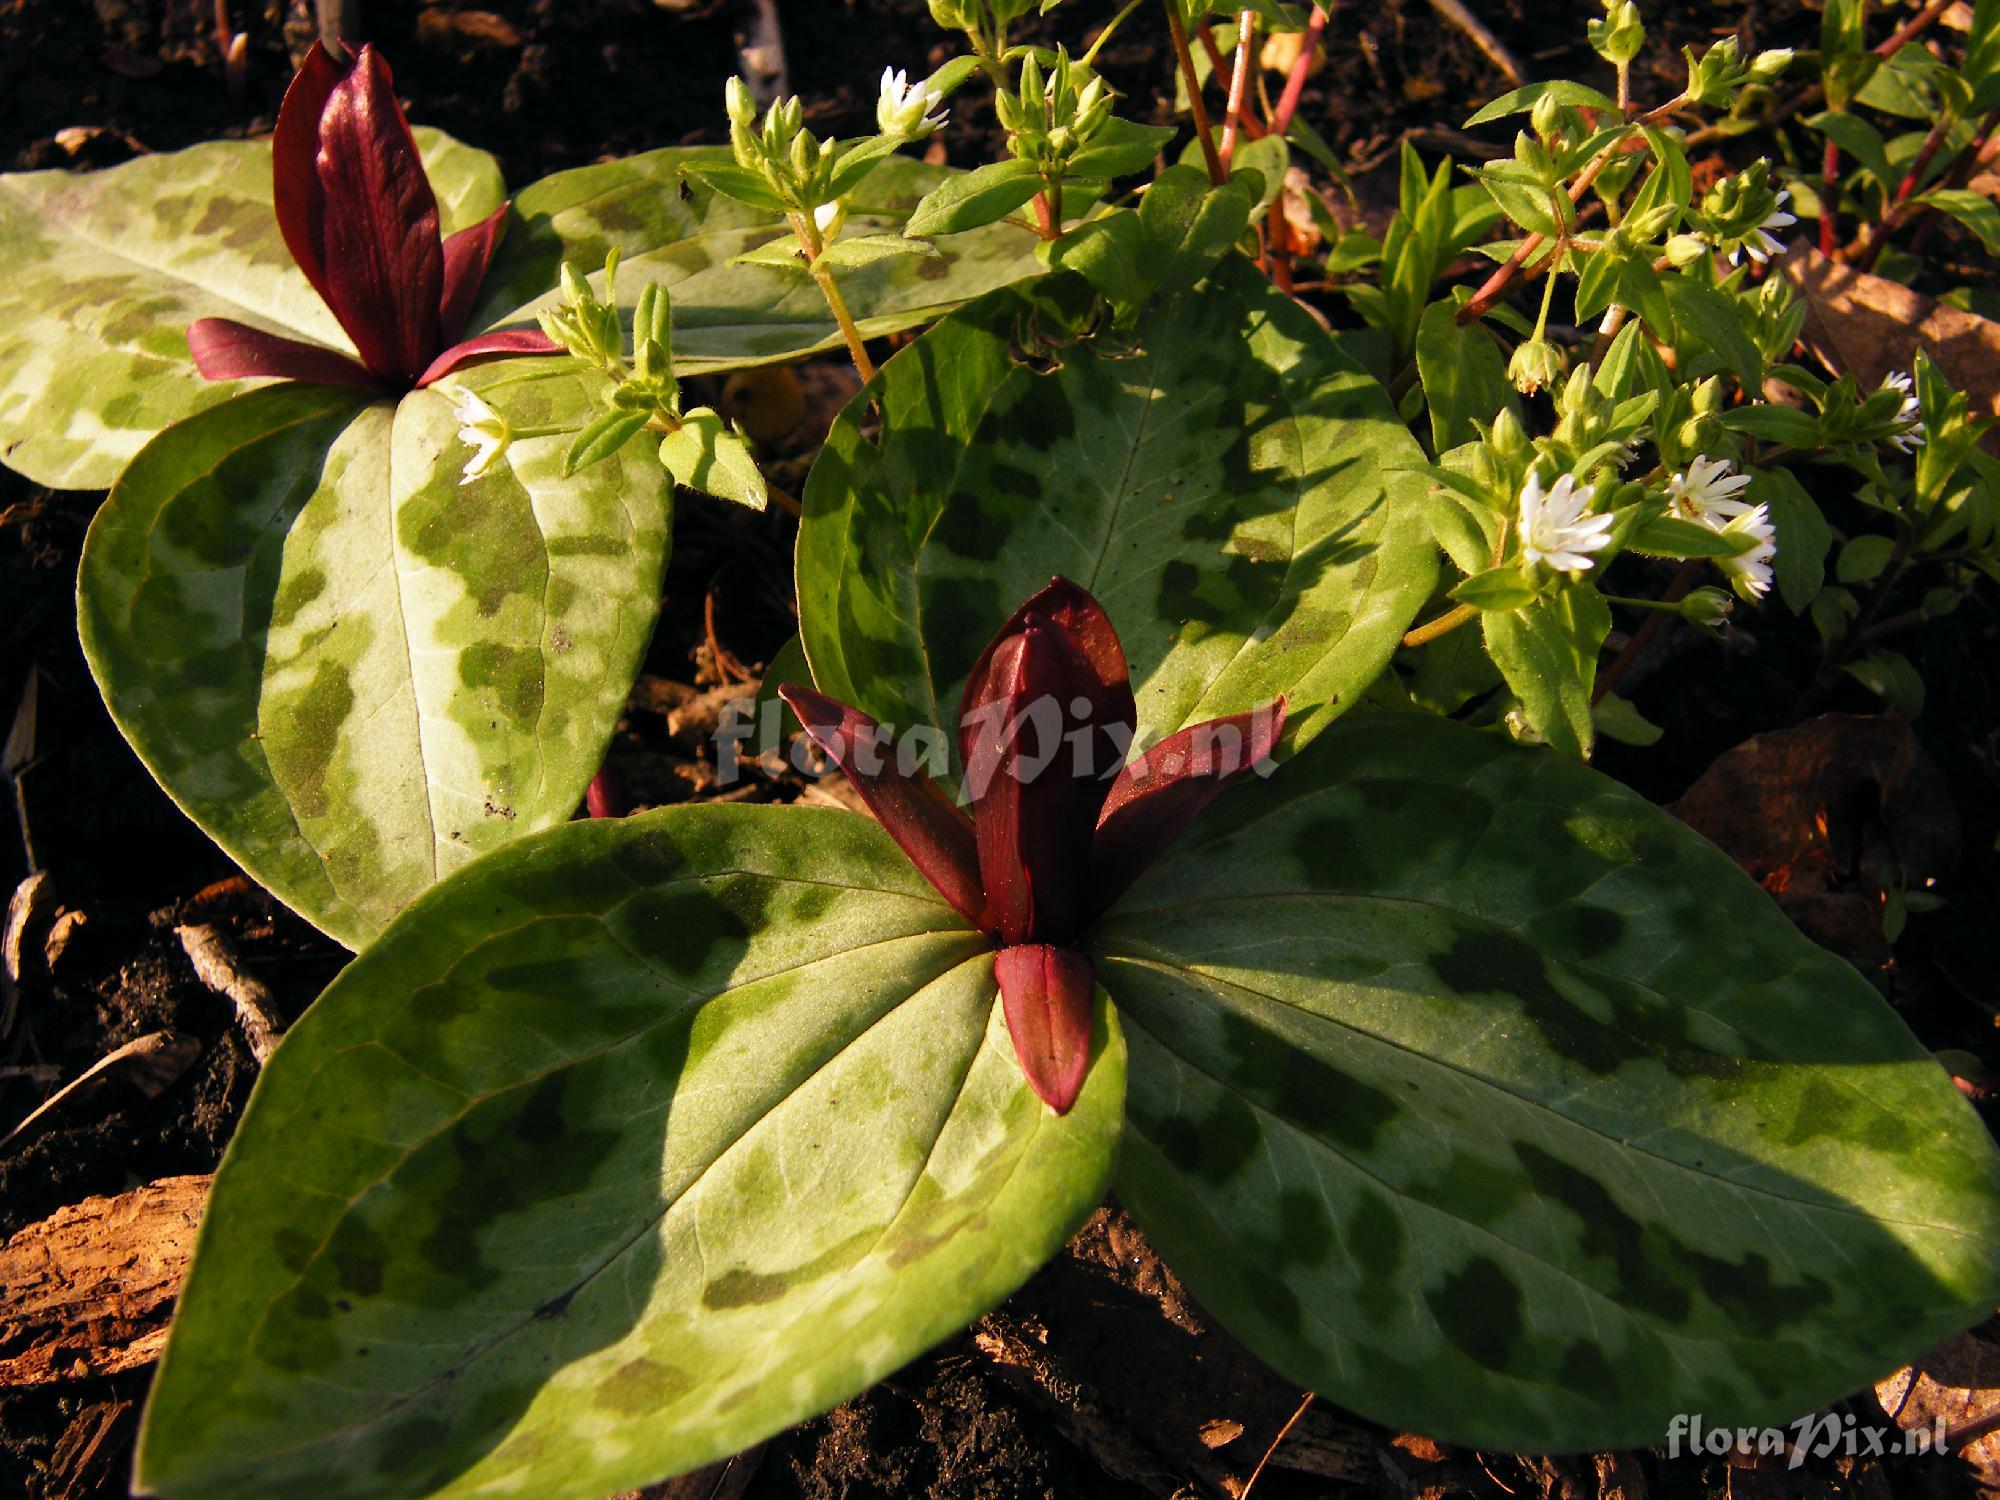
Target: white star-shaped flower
<point>1708,486</point>
<point>1760,242</point>
<point>1911,415</point>
<point>1557,530</point>
<point>1750,572</point>
<point>906,109</point>
<point>480,427</point>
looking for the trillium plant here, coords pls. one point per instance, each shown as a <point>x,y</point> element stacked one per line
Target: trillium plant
<point>1220,671</point>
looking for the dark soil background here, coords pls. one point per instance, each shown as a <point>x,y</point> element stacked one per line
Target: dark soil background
<point>1099,1379</point>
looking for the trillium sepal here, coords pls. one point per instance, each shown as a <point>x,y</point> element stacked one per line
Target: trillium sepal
<point>1061,822</point>
<point>358,214</point>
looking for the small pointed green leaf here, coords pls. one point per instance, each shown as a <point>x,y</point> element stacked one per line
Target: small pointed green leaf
<point>635,1143</point>
<point>1547,653</point>
<point>1503,587</point>
<point>1464,376</point>
<point>980,197</point>
<point>866,249</point>
<point>1237,493</point>
<point>354,670</point>
<point>1520,101</point>
<point>605,435</point>
<point>1121,147</point>
<point>705,453</point>
<point>1670,536</point>
<point>1480,1096</point>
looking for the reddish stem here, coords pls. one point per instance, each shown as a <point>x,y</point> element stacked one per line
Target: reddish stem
<point>1177,28</point>
<point>1239,84</point>
<point>1829,192</point>
<point>1295,83</point>
<point>1914,27</point>
<point>1652,625</point>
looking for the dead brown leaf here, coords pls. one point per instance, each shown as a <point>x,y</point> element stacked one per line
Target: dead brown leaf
<point>1956,1383</point>
<point>1866,326</point>
<point>1823,816</point>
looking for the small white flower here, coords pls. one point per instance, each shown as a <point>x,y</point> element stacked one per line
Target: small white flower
<point>1707,488</point>
<point>905,109</point>
<point>480,427</point>
<point>1750,572</point>
<point>826,216</point>
<point>1761,243</point>
<point>1556,529</point>
<point>1911,415</point>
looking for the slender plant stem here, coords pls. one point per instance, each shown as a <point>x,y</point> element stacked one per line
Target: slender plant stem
<point>1444,624</point>
<point>857,351</point>
<point>1217,173</point>
<point>1045,219</point>
<point>1089,59</point>
<point>1912,28</point>
<point>1899,210</point>
<point>1829,195</point>
<point>1295,81</point>
<point>1490,291</point>
<point>1977,154</point>
<point>1651,626</point>
<point>1239,84</point>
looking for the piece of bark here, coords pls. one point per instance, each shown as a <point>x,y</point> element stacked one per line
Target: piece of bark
<point>87,1455</point>
<point>87,1291</point>
<point>217,966</point>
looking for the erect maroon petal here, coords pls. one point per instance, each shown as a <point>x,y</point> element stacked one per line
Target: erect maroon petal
<point>1046,994</point>
<point>1099,674</point>
<point>1162,791</point>
<point>1027,804</point>
<point>488,346</point>
<point>918,815</point>
<point>379,233</point>
<point>226,350</point>
<point>296,194</point>
<point>467,254</point>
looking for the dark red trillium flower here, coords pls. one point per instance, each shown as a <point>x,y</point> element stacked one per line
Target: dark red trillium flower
<point>1054,836</point>
<point>359,216</point>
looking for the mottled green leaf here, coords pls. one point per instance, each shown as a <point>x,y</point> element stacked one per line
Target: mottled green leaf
<point>1483,1098</point>
<point>353,671</point>
<point>631,1145</point>
<point>105,270</point>
<point>725,315</point>
<point>1231,488</point>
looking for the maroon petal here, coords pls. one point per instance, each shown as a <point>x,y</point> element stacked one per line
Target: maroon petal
<point>379,230</point>
<point>1161,792</point>
<point>225,350</point>
<point>467,254</point>
<point>488,346</point>
<point>1099,674</point>
<point>918,815</point>
<point>295,186</point>
<point>1028,805</point>
<point>1046,994</point>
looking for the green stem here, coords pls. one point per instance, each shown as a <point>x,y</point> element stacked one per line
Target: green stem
<point>857,351</point>
<point>1444,624</point>
<point>1089,59</point>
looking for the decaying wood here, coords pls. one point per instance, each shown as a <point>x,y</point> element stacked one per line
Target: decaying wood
<point>90,1451</point>
<point>32,900</point>
<point>217,966</point>
<point>87,1292</point>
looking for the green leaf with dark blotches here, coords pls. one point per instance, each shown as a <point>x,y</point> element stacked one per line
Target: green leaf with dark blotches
<point>1236,493</point>
<point>352,669</point>
<point>728,316</point>
<point>105,270</point>
<point>628,1147</point>
<point>1477,1094</point>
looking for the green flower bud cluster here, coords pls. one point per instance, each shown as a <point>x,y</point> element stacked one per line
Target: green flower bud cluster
<point>1536,363</point>
<point>1738,213</point>
<point>1719,73</point>
<point>1619,37</point>
<point>1051,117</point>
<point>795,164</point>
<point>586,327</point>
